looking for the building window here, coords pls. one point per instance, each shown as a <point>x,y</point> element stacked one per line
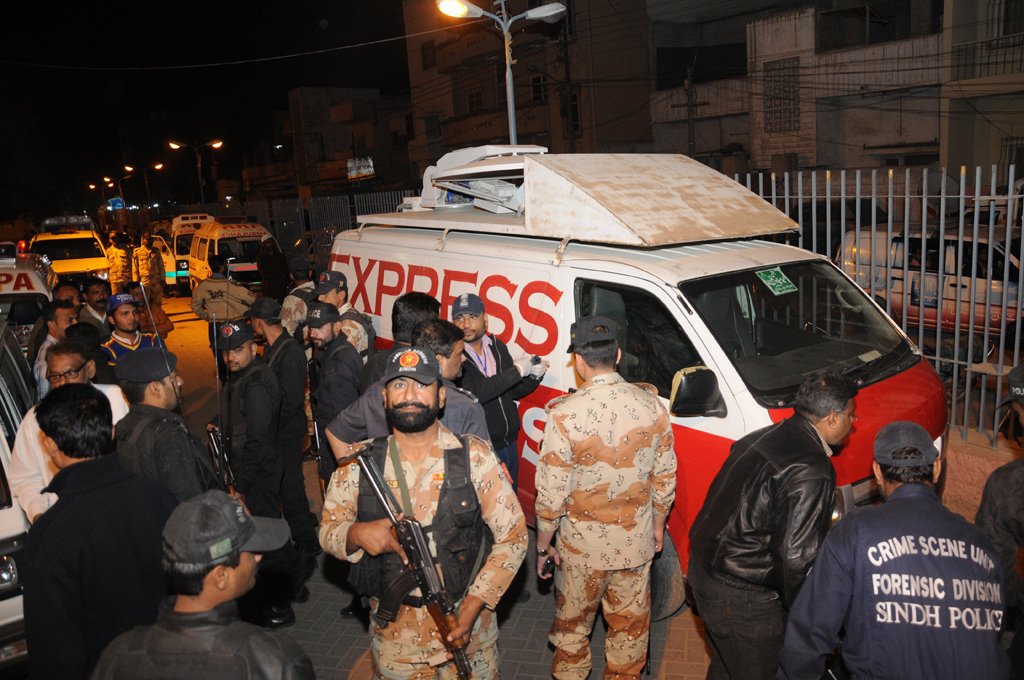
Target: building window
<point>1013,17</point>
<point>428,54</point>
<point>432,127</point>
<point>410,128</point>
<point>574,112</point>
<point>782,95</point>
<point>539,88</point>
<point>474,101</point>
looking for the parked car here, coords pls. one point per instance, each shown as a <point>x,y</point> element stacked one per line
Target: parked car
<point>74,254</point>
<point>17,395</point>
<point>931,281</point>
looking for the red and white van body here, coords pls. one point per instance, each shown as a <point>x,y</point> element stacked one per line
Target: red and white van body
<point>534,287</point>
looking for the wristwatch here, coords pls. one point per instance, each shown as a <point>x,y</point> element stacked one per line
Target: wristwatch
<point>541,552</point>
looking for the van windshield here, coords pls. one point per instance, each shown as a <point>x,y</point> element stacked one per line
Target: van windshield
<point>780,324</point>
<point>68,248</point>
<point>183,244</point>
<point>242,251</point>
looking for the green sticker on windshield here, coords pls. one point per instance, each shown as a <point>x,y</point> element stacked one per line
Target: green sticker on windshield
<point>777,282</point>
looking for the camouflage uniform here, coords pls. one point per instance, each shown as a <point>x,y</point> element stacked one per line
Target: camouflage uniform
<point>410,647</point>
<point>148,269</point>
<point>606,468</point>
<point>220,298</point>
<point>119,266</point>
<point>354,331</point>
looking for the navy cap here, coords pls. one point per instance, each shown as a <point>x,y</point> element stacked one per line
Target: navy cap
<point>265,308</point>
<point>904,434</point>
<point>145,365</point>
<point>321,313</point>
<point>467,303</point>
<point>414,363</point>
<point>591,329</point>
<point>328,281</point>
<point>298,264</point>
<point>213,527</point>
<point>233,335</point>
<point>115,301</point>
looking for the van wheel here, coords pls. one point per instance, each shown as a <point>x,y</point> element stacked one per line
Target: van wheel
<point>668,590</point>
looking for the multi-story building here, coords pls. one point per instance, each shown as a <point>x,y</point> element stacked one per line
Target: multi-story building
<point>582,84</point>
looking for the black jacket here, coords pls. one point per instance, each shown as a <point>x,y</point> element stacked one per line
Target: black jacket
<point>338,369</point>
<point>288,361</point>
<point>211,645</point>
<point>254,406</point>
<point>767,510</point>
<point>92,565</point>
<point>497,394</point>
<point>155,443</point>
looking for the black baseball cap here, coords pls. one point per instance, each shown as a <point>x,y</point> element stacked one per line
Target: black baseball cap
<point>467,303</point>
<point>212,527</point>
<point>321,313</point>
<point>328,281</point>
<point>414,363</point>
<point>145,365</point>
<point>591,329</point>
<point>233,335</point>
<point>265,308</point>
<point>904,434</point>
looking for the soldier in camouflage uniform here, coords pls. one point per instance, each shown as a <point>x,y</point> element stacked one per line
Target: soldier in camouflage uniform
<point>605,481</point>
<point>148,269</point>
<point>410,646</point>
<point>333,289</point>
<point>119,264</point>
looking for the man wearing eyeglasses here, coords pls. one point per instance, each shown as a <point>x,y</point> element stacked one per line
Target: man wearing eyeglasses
<point>31,469</point>
<point>762,524</point>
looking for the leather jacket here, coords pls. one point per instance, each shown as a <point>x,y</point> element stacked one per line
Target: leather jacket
<point>767,511</point>
<point>212,645</point>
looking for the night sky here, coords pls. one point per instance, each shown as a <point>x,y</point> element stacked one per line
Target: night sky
<point>86,88</point>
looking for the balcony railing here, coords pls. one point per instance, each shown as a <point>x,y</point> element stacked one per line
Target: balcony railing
<point>985,58</point>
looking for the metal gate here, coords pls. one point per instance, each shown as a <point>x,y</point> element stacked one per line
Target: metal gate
<point>940,253</point>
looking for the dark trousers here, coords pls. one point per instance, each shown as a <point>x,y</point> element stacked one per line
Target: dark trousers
<point>294,503</point>
<point>509,455</point>
<point>279,571</point>
<point>745,627</point>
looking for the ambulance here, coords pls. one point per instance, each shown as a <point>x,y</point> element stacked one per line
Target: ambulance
<point>238,243</point>
<point>26,285</point>
<point>724,324</point>
<point>178,244</point>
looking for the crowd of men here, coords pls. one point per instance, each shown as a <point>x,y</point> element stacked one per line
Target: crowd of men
<point>147,553</point>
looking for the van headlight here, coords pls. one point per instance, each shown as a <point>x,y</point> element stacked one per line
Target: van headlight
<point>102,274</point>
<point>8,574</point>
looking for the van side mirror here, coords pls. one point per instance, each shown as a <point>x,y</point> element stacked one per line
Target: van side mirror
<point>695,393</point>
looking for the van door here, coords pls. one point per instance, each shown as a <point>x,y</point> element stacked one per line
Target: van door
<point>924,288</point>
<point>981,272</point>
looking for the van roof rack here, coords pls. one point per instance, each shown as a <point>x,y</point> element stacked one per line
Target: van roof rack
<point>644,200</point>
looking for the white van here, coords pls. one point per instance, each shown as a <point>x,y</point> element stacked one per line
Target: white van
<point>179,242</point>
<point>238,243</point>
<point>724,325</point>
<point>26,286</point>
<point>946,287</point>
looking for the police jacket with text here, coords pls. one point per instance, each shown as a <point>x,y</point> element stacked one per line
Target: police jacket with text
<point>254,400</point>
<point>459,534</point>
<point>767,510</point>
<point>915,588</point>
<point>210,645</point>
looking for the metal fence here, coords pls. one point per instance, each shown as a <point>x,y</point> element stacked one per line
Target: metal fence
<point>940,253</point>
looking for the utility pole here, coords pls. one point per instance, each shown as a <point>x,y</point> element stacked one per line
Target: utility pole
<point>691,109</point>
<point>567,87</point>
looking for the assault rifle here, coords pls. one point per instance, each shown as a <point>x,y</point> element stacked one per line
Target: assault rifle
<point>421,571</point>
<point>219,457</point>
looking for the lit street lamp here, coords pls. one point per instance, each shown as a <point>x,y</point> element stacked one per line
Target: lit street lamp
<point>548,13</point>
<point>196,146</point>
<point>145,178</point>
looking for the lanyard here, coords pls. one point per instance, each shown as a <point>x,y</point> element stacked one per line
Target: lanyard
<point>403,487</point>
<point>479,359</point>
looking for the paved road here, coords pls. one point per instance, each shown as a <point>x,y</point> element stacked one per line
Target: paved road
<point>338,646</point>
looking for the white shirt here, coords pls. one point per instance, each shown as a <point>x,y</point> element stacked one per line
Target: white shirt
<point>31,469</point>
<point>39,368</point>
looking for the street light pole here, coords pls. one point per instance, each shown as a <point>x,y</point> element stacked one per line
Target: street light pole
<point>196,146</point>
<point>548,13</point>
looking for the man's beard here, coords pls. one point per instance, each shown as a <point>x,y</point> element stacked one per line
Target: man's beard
<point>411,421</point>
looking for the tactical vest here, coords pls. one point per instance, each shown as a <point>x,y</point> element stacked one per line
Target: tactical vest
<point>461,537</point>
<point>134,450</point>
